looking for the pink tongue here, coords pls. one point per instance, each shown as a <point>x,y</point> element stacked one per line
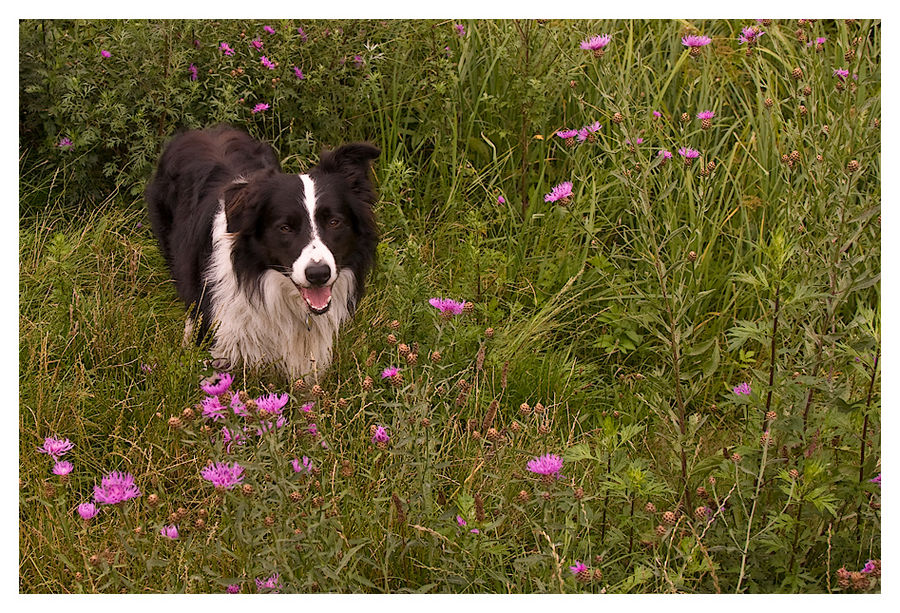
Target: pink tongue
<point>317,297</point>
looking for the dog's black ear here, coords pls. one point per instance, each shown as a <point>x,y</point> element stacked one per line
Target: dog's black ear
<point>353,161</point>
<point>240,210</point>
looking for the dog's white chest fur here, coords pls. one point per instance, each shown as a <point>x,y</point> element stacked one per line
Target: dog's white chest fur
<point>270,327</point>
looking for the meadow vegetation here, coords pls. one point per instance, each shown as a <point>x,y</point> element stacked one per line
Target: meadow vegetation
<point>665,377</point>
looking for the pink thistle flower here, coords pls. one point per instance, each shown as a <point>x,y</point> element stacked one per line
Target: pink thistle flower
<point>869,567</point>
<point>268,426</point>
<point>657,114</point>
<point>876,480</point>
<point>306,408</point>
<point>582,135</point>
<point>705,115</point>
<point>460,521</point>
<point>116,487</point>
<point>270,583</point>
<point>226,49</point>
<point>302,34</point>
<point>267,63</point>
<point>446,306</point>
<point>170,532</point>
<point>460,29</point>
<point>298,73</point>
<point>212,409</point>
<point>238,407</point>
<point>750,35</point>
<point>688,154</point>
<point>547,465</point>
<point>105,53</point>
<point>841,73</point>
<point>561,192</point>
<point>664,154</point>
<point>389,372</point>
<point>272,403</point>
<point>380,436</point>
<point>695,42</point>
<point>217,384</point>
<point>475,531</point>
<point>637,141</point>
<point>64,143</point>
<point>567,134</point>
<point>597,44</point>
<point>233,588</point>
<point>578,568</point>
<point>312,430</point>
<point>358,61</point>
<point>193,70</point>
<point>304,466</point>
<point>501,200</point>
<point>87,510</point>
<point>222,475</point>
<point>62,468</point>
<point>257,44</point>
<point>56,447</point>
<point>742,389</point>
<point>262,106</point>
<point>818,42</point>
<point>269,29</point>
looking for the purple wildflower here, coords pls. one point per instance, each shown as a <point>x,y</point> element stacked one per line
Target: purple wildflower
<point>460,29</point>
<point>267,63</point>
<point>64,143</point>
<point>87,510</point>
<point>269,583</point>
<point>597,44</point>
<point>170,532</point>
<point>269,29</point>
<point>750,35</point>
<point>358,61</point>
<point>307,408</point>
<point>688,154</point>
<point>876,480</point>
<point>212,408</point>
<point>665,154</point>
<point>475,531</point>
<point>501,200</point>
<point>743,389</point>
<point>298,73</point>
<point>105,53</point>
<point>657,114</point>
<point>695,42</point>
<point>193,70</point>
<point>233,588</point>
<point>268,426</point>
<point>222,475</point>
<point>218,384</point>
<point>56,447</point>
<point>262,106</point>
<point>567,134</point>
<point>257,44</point>
<point>389,372</point>
<point>312,430</point>
<point>547,465</point>
<point>637,141</point>
<point>563,192</point>
<point>302,34</point>
<point>62,468</point>
<point>304,466</point>
<point>460,521</point>
<point>869,567</point>
<point>381,435</point>
<point>116,487</point>
<point>841,73</point>
<point>705,115</point>
<point>231,437</point>
<point>446,306</point>
<point>226,49</point>
<point>272,403</point>
<point>578,568</point>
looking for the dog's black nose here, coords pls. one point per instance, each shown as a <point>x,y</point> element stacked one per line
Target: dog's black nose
<point>318,274</point>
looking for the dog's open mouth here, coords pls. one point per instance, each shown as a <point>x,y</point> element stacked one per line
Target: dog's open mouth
<point>318,299</point>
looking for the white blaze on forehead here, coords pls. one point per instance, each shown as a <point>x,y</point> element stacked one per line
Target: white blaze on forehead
<point>315,252</point>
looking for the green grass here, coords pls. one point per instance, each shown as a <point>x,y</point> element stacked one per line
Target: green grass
<point>628,314</point>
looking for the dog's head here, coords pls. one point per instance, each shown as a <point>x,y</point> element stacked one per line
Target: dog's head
<point>308,227</point>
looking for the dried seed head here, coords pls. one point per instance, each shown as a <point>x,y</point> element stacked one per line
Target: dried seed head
<point>546,496</point>
<point>468,307</point>
<point>296,497</point>
<point>370,361</point>
<point>412,358</point>
<point>247,489</point>
<point>199,523</point>
<point>544,428</point>
<point>785,158</point>
<point>584,575</point>
<point>538,408</point>
<point>765,439</point>
<point>618,118</point>
<point>515,426</point>
<point>771,415</point>
<point>174,422</point>
<point>795,156</point>
<point>692,256</point>
<point>848,56</point>
<point>299,385</point>
<point>397,379</point>
<point>188,414</point>
<point>661,530</point>
<point>877,123</point>
<point>425,422</point>
<point>476,435</point>
<point>706,123</point>
<point>493,435</point>
<point>735,457</point>
<point>524,409</point>
<point>650,507</point>
<point>435,356</point>
<point>479,508</point>
<point>685,117</point>
<point>701,512</point>
<point>523,496</point>
<point>852,166</point>
<point>394,325</point>
<point>403,348</point>
<point>243,396</point>
<point>343,403</point>
<point>489,332</point>
<point>578,493</point>
<point>670,518</point>
<point>391,339</point>
<point>368,383</point>
<point>269,521</point>
<point>768,102</point>
<point>318,391</point>
<point>153,500</point>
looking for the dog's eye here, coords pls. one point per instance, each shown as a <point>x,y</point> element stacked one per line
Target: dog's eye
<point>334,222</point>
<point>285,229</point>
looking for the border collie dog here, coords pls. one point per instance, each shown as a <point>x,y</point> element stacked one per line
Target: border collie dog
<point>270,263</point>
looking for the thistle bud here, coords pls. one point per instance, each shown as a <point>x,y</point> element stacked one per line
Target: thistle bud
<point>669,517</point>
<point>435,356</point>
<point>367,383</point>
<point>618,118</point>
<point>852,166</point>
<point>768,102</point>
<point>650,507</point>
<point>391,339</point>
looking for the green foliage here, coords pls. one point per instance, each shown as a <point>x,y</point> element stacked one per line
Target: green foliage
<point>610,329</point>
